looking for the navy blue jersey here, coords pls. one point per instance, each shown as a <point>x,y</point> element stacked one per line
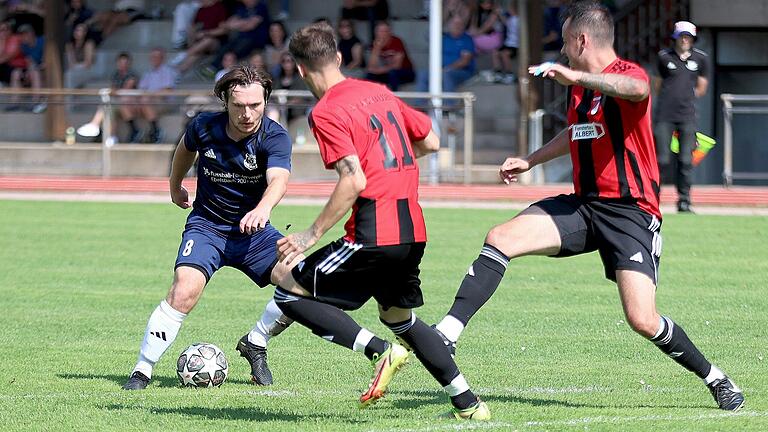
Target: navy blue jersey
<point>232,175</point>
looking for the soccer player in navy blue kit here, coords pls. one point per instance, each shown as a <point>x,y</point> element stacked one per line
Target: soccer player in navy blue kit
<point>243,169</point>
<point>615,207</point>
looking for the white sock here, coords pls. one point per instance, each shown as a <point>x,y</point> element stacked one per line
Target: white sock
<point>162,328</point>
<point>714,374</point>
<point>362,340</point>
<point>451,328</point>
<point>271,323</point>
<point>457,386</point>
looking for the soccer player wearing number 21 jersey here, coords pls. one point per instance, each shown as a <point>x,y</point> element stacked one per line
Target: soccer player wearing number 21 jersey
<point>372,139</point>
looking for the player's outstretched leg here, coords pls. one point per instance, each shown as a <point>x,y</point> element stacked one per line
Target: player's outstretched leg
<point>429,349</point>
<point>674,342</point>
<point>333,324</point>
<point>479,284</point>
<point>161,331</point>
<point>253,346</point>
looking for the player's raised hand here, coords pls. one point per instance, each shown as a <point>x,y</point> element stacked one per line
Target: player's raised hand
<point>511,168</point>
<point>295,244</point>
<point>254,220</point>
<point>560,73</point>
<point>180,197</point>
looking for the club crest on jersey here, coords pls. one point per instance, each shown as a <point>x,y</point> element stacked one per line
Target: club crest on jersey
<point>584,131</point>
<point>692,65</point>
<point>250,161</point>
<point>671,66</point>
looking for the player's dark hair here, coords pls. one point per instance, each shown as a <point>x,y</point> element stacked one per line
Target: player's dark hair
<point>242,75</point>
<point>593,18</point>
<point>313,46</point>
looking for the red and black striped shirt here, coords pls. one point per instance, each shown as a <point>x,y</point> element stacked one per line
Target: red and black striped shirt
<point>611,143</point>
<point>366,119</point>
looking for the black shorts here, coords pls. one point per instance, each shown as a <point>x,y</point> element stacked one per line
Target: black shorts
<point>347,275</point>
<point>627,237</point>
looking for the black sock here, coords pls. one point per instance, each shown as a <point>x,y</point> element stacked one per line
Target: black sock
<point>326,321</point>
<point>132,125</point>
<point>431,351</point>
<point>479,283</point>
<point>673,341</point>
<point>153,127</point>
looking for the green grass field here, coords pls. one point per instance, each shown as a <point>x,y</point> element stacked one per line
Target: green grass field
<point>550,351</point>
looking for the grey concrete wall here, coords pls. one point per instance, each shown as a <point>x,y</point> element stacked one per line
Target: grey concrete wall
<point>731,13</point>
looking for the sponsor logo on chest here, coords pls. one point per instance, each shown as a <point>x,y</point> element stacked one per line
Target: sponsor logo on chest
<point>585,131</point>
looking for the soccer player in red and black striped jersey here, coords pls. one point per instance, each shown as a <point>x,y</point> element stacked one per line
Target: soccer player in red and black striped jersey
<point>372,139</point>
<point>615,207</point>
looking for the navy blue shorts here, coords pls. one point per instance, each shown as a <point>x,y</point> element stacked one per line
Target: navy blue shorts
<point>208,247</point>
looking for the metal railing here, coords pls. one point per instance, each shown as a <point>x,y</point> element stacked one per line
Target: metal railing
<point>443,109</point>
<point>754,104</point>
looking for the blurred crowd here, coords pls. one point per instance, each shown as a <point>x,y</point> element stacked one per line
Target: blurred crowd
<point>210,36</point>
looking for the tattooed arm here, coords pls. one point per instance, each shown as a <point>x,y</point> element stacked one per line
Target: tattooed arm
<point>616,85</point>
<point>351,182</point>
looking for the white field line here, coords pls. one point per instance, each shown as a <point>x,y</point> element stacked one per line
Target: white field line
<point>578,422</point>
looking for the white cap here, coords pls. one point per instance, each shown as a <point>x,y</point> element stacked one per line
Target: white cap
<point>684,27</point>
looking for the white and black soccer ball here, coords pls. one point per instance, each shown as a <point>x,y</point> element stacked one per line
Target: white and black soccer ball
<point>202,365</point>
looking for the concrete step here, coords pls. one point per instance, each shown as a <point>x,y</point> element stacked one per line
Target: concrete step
<point>141,35</point>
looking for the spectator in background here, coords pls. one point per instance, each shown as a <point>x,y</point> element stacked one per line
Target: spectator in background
<point>388,62</point>
<point>207,33</point>
<point>123,13</point>
<point>505,55</point>
<point>183,17</point>
<point>487,29</point>
<point>30,12</point>
<point>227,63</point>
<point>683,70</point>
<point>122,78</point>
<point>366,10</point>
<point>79,13</point>
<point>287,78</point>
<point>80,55</point>
<point>11,56</point>
<point>553,39</point>
<point>278,44</point>
<point>256,60</point>
<point>249,29</point>
<point>458,58</point>
<point>32,47</point>
<point>160,77</point>
<point>351,49</point>
<point>456,8</point>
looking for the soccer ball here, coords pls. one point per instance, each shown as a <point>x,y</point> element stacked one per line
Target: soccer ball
<point>202,365</point>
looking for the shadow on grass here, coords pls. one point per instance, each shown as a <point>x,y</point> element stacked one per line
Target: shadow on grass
<point>412,399</point>
<point>224,413</point>
<point>409,399</point>
<point>157,380</point>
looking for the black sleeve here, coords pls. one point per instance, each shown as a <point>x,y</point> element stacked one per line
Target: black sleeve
<point>704,66</point>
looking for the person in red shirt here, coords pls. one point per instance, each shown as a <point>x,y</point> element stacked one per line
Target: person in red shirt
<point>372,139</point>
<point>388,62</point>
<point>615,207</point>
